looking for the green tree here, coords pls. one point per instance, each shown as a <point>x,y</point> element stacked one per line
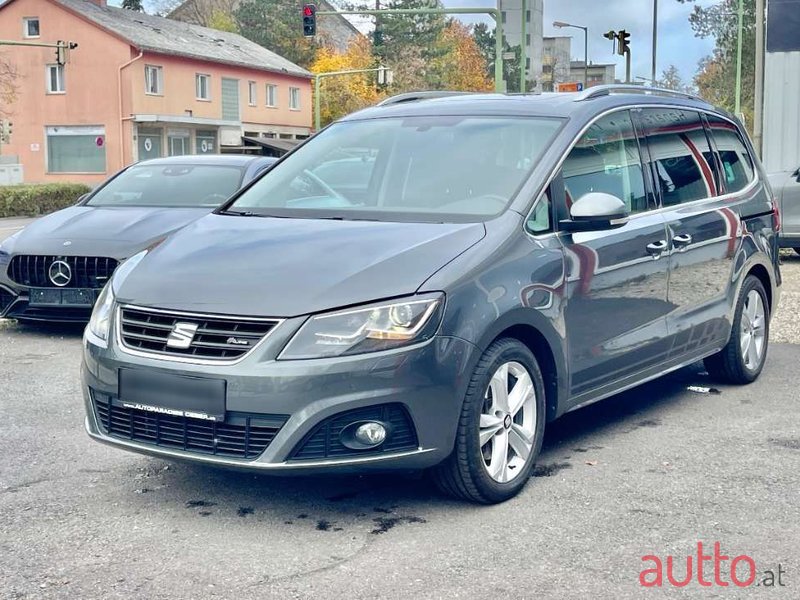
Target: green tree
<point>671,80</point>
<point>485,38</point>
<point>222,21</point>
<point>133,5</point>
<point>276,25</point>
<point>716,76</point>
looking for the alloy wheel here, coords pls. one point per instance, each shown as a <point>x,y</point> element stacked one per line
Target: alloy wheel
<point>752,330</point>
<point>508,422</point>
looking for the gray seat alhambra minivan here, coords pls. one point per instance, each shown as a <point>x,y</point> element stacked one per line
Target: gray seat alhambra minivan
<point>489,263</point>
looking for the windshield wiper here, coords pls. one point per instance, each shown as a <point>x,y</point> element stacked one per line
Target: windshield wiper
<point>242,213</point>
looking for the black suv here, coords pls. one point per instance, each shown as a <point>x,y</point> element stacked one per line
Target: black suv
<point>489,263</point>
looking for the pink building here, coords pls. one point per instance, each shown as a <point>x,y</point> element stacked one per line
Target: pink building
<point>139,86</point>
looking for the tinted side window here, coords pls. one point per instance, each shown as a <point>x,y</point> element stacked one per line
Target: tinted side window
<point>737,164</point>
<point>682,161</point>
<point>606,159</point>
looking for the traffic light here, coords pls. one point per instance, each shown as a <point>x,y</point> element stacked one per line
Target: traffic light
<point>6,129</point>
<point>309,20</point>
<point>61,53</point>
<point>624,42</point>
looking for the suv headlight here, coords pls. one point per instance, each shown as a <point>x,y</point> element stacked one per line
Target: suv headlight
<point>370,329</point>
<point>101,315</point>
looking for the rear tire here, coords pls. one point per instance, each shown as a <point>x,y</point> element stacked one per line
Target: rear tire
<point>500,429</point>
<point>742,359</point>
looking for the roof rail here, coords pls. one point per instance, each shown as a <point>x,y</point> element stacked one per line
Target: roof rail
<point>623,88</point>
<point>417,96</point>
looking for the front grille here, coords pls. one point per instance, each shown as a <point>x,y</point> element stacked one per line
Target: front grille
<point>86,271</point>
<point>324,442</point>
<point>217,337</point>
<point>241,435</point>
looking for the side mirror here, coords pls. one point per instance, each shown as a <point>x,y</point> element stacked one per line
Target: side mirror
<point>596,211</point>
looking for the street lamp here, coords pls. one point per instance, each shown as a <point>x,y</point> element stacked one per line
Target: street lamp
<point>561,24</point>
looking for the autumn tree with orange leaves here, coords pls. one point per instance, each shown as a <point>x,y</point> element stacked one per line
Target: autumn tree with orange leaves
<point>344,94</point>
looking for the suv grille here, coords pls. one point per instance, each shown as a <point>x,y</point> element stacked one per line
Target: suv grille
<point>216,338</point>
<point>86,271</point>
<point>242,435</point>
<point>323,441</point>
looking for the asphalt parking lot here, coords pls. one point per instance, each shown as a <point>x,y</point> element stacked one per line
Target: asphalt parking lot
<point>649,472</point>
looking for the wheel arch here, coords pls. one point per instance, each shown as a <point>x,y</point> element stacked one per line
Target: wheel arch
<point>536,333</point>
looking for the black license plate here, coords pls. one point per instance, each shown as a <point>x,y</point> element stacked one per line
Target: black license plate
<point>62,297</point>
<point>176,395</point>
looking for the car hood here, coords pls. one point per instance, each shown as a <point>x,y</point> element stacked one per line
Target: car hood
<point>116,232</point>
<point>278,267</point>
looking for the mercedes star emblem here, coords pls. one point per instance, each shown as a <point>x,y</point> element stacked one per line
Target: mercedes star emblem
<point>60,273</point>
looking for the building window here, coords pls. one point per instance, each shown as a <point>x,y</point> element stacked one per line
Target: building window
<point>55,79</point>
<point>294,98</point>
<point>30,27</point>
<point>202,84</point>
<point>153,80</point>
<point>76,149</point>
<point>272,95</point>
<point>503,17</point>
<point>527,16</point>
<point>150,143</point>
<point>205,141</point>
<point>251,93</point>
<point>527,39</point>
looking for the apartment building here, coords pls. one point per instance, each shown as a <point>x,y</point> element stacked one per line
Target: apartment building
<point>138,86</point>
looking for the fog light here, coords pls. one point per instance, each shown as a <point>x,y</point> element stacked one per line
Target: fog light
<point>365,435</point>
<point>370,434</point>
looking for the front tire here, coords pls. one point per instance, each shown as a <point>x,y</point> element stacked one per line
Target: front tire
<point>500,429</point>
<point>742,359</point>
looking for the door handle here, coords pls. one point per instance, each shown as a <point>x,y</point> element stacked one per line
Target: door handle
<point>681,240</point>
<point>656,249</point>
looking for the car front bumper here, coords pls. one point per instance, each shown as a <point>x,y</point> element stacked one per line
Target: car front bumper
<point>427,381</point>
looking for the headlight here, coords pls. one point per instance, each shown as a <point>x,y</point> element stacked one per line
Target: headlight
<point>369,329</point>
<point>101,315</point>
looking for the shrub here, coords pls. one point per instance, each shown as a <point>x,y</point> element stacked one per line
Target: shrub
<point>33,200</point>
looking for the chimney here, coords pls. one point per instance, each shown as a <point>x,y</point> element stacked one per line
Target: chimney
<point>100,3</point>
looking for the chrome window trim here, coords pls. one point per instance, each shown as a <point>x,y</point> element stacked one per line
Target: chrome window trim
<point>724,197</point>
<point>195,315</point>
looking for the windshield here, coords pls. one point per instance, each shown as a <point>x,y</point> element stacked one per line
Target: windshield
<point>411,168</point>
<point>170,185</point>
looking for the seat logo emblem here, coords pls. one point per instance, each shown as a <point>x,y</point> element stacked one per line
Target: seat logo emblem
<point>60,273</point>
<point>182,335</point>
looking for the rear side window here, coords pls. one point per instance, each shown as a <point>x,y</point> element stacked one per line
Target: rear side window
<point>606,159</point>
<point>682,161</point>
<point>737,164</point>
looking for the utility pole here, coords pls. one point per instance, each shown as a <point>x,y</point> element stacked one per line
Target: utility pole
<point>499,84</point>
<point>738,99</point>
<point>653,72</point>
<point>758,112</point>
<point>561,24</point>
<point>523,50</point>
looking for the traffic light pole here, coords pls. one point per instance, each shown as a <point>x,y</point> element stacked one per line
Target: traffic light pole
<point>499,84</point>
<point>59,46</point>
<point>318,90</point>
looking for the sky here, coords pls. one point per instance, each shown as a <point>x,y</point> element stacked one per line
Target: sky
<point>676,42</point>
